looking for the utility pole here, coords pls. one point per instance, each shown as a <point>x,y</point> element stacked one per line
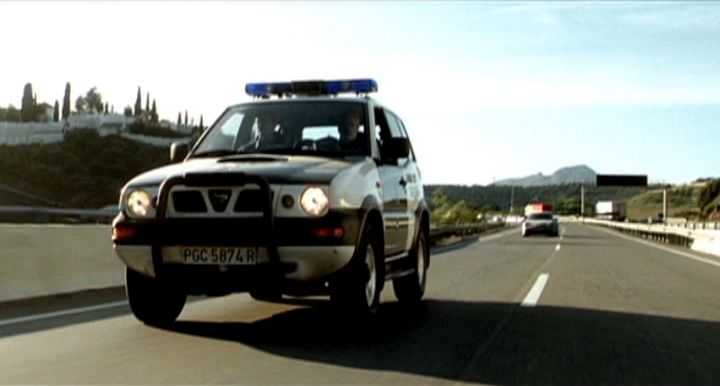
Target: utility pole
<point>582,201</point>
<point>665,204</point>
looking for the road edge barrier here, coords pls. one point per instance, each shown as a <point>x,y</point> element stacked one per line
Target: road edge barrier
<point>699,238</point>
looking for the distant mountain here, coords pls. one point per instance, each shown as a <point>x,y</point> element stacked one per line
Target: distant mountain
<point>567,175</point>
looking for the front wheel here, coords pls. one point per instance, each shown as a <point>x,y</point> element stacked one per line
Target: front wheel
<point>359,289</point>
<point>152,301</point>
<point>411,288</point>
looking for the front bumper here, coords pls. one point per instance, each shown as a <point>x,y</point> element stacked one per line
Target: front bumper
<point>291,248</point>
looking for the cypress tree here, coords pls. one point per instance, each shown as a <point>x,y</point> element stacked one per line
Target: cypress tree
<point>26,109</point>
<point>138,103</point>
<point>153,114</point>
<point>66,102</point>
<point>56,111</point>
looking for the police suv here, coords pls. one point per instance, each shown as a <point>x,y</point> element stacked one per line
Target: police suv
<point>300,192</point>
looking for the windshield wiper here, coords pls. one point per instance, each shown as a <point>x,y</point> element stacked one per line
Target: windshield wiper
<point>213,153</point>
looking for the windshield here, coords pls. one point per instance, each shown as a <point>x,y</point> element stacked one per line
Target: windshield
<point>289,127</point>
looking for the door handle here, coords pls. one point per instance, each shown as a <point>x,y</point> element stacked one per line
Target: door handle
<point>403,182</point>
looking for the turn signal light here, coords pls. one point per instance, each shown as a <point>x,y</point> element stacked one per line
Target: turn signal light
<point>121,232</point>
<point>329,232</point>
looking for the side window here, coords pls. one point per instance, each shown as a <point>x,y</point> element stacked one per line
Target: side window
<point>382,132</point>
<point>403,133</point>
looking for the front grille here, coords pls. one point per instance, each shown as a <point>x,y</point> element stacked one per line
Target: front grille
<point>243,201</point>
<point>250,201</point>
<point>189,201</point>
<point>219,199</point>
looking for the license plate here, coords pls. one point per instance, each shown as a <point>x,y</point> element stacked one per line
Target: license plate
<point>219,255</point>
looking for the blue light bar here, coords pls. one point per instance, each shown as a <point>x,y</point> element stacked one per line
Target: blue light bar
<point>312,87</point>
<point>267,89</point>
<point>362,86</point>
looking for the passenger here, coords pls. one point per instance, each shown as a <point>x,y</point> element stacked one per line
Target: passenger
<point>268,137</point>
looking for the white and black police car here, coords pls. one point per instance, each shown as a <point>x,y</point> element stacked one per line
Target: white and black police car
<point>302,191</point>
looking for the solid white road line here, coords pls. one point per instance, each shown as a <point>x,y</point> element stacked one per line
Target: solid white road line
<point>664,248</point>
<point>73,311</point>
<point>532,297</point>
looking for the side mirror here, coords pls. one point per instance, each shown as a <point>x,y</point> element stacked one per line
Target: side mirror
<point>398,148</point>
<point>178,151</point>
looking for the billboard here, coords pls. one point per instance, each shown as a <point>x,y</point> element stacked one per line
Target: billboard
<point>621,180</point>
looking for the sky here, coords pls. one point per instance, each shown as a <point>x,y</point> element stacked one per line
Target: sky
<point>487,90</point>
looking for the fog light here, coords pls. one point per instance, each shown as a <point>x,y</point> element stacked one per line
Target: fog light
<point>329,232</point>
<point>288,201</point>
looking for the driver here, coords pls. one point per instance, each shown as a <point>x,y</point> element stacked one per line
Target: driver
<point>351,138</point>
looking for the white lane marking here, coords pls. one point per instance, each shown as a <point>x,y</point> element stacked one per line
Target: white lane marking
<point>532,297</point>
<point>666,249</point>
<point>557,247</point>
<point>55,314</point>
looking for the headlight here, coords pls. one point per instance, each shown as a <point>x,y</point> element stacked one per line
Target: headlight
<point>314,201</point>
<point>140,202</point>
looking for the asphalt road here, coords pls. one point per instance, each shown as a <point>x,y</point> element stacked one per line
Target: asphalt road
<point>589,308</point>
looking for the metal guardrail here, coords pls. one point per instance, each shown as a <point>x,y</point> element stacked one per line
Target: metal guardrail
<point>41,215</point>
<point>684,234</point>
<point>439,233</point>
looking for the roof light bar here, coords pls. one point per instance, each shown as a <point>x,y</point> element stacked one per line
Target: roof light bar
<point>312,87</point>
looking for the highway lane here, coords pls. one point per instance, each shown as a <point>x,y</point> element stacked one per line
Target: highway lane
<point>613,311</point>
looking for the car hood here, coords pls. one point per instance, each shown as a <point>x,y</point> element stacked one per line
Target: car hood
<point>276,169</point>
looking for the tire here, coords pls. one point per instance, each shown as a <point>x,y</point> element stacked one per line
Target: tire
<point>411,288</point>
<point>358,291</point>
<point>152,302</point>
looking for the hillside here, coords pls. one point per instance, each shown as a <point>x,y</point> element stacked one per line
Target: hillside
<point>580,174</point>
<point>565,198</point>
<point>84,171</point>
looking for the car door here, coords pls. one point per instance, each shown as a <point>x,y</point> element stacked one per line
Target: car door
<point>394,214</point>
<point>409,186</point>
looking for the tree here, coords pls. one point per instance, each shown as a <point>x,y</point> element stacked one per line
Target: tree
<point>56,111</point>
<point>80,104</point>
<point>26,109</point>
<point>179,121</point>
<point>201,122</point>
<point>92,102</point>
<point>12,114</point>
<point>107,108</point>
<point>708,195</point>
<point>153,112</point>
<point>147,102</point>
<point>66,102</point>
<point>186,118</point>
<point>128,111</point>
<point>138,103</point>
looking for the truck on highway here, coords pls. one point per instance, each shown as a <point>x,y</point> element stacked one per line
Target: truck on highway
<point>611,210</point>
